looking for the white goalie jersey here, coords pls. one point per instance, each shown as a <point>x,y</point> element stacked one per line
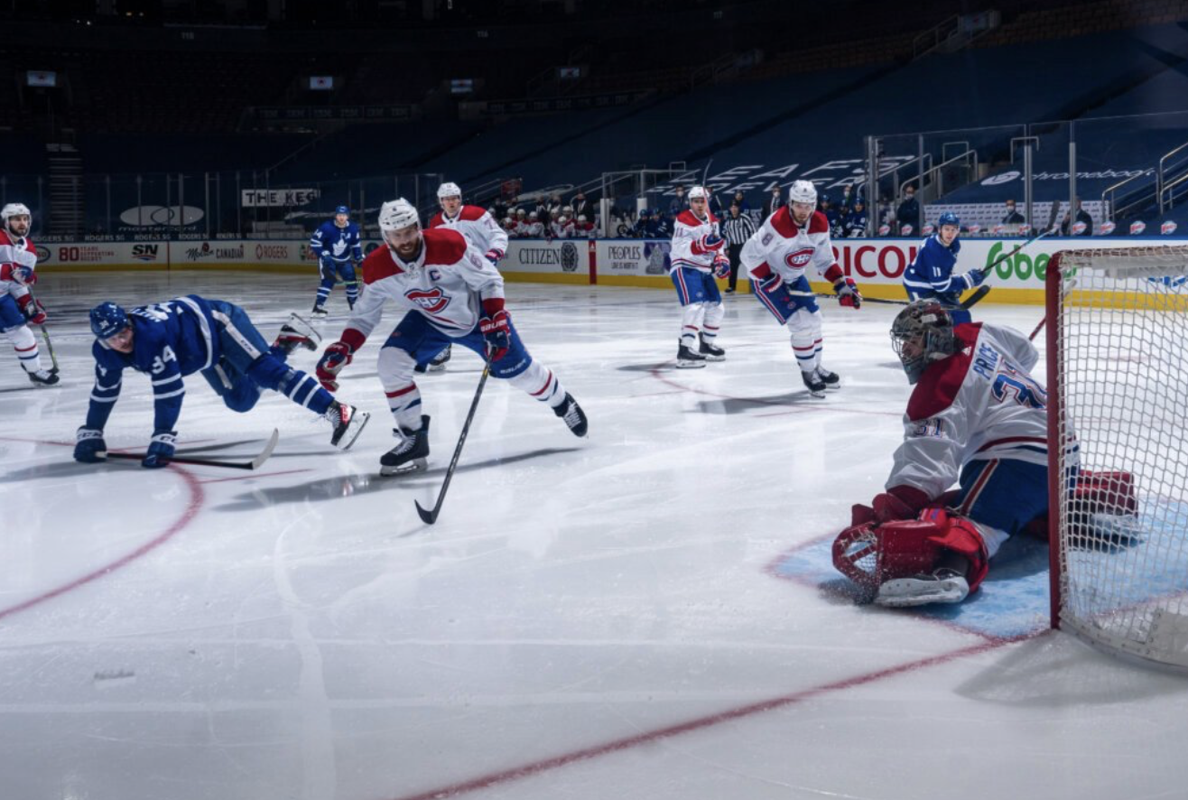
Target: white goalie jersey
<point>979,404</point>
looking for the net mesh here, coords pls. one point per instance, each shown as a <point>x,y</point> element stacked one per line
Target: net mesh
<point>1121,366</point>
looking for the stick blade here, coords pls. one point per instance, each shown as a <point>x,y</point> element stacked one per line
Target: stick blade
<point>428,517</point>
<point>259,460</point>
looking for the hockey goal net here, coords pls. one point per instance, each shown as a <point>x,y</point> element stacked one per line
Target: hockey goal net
<point>1117,353</point>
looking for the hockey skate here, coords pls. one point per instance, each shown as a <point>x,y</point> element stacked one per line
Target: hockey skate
<point>410,455</point>
<point>348,423</point>
<point>711,351</point>
<point>687,359</point>
<point>942,586</point>
<point>830,379</point>
<point>319,311</point>
<point>439,361</point>
<point>41,377</point>
<point>573,415</point>
<point>297,333</point>
<point>813,383</point>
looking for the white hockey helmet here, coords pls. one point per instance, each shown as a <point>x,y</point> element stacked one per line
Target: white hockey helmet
<point>696,192</point>
<point>803,192</point>
<point>581,217</point>
<point>449,190</point>
<point>398,214</point>
<point>533,215</point>
<point>15,210</point>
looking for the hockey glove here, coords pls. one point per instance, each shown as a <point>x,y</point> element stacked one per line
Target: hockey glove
<point>973,278</point>
<point>160,450</point>
<point>494,256</point>
<point>89,447</point>
<point>337,356</point>
<point>710,243</point>
<point>497,331</point>
<point>18,273</point>
<point>721,267</point>
<point>33,310</point>
<point>847,293</point>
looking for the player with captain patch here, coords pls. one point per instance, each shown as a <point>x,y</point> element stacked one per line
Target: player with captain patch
<point>792,239</point>
<point>698,256</point>
<point>452,293</point>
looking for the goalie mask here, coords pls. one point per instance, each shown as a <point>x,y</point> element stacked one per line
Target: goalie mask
<point>921,334</point>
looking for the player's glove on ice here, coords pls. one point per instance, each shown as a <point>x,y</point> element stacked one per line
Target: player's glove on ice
<point>496,329</point>
<point>89,446</point>
<point>337,356</point>
<point>160,449</point>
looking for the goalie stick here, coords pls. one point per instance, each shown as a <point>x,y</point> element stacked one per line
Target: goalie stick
<point>255,463</point>
<point>430,517</point>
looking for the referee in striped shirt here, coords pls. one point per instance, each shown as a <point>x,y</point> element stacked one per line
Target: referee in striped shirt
<point>737,228</point>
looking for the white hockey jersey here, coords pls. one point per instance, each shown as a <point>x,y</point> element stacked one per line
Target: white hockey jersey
<point>689,237</point>
<point>447,283</point>
<point>788,249</point>
<point>478,226</point>
<point>977,405</point>
<point>15,253</point>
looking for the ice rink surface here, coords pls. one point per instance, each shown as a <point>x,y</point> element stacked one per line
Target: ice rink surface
<point>590,618</point>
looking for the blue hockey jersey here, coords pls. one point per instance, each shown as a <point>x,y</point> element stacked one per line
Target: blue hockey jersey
<point>335,243</point>
<point>169,340</point>
<point>932,271</point>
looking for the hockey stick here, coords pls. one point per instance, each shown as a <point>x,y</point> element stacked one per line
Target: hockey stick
<point>964,305</point>
<point>430,517</point>
<point>49,346</point>
<point>255,463</point>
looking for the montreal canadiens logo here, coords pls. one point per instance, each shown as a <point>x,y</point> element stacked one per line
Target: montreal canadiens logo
<point>799,259</point>
<point>432,300</point>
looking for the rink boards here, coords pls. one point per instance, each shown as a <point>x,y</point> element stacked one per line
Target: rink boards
<point>877,265</point>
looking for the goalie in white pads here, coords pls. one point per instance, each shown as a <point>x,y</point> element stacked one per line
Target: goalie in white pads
<point>480,229</point>
<point>18,308</point>
<point>976,418</point>
<point>698,256</point>
<point>776,255</point>
<point>452,293</point>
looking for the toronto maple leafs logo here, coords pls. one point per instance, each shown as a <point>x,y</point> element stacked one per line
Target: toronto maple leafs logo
<point>432,300</point>
<point>799,258</point>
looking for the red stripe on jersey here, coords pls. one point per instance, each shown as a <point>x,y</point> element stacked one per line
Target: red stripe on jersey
<point>380,263</point>
<point>978,486</point>
<point>941,381</point>
<point>471,213</point>
<point>25,349</point>
<point>436,220</point>
<point>400,392</point>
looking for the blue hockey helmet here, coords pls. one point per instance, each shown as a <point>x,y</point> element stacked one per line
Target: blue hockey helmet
<point>949,218</point>
<point>342,210</point>
<point>108,319</point>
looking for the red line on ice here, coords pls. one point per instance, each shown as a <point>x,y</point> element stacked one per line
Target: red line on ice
<point>647,737</point>
<point>197,497</point>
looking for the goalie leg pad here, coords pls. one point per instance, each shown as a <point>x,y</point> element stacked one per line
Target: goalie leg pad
<point>1104,493</point>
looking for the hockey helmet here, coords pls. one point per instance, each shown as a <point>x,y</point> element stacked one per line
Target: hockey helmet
<point>108,319</point>
<point>803,192</point>
<point>448,190</point>
<point>15,210</point>
<point>948,218</point>
<point>398,214</point>
<point>342,210</point>
<point>698,192</point>
<point>921,334</point>
<point>532,215</point>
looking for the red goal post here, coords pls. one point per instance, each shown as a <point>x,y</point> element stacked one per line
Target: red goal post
<point>1117,370</point>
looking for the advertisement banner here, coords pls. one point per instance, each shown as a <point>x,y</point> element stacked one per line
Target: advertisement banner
<point>287,198</point>
<point>567,259</point>
<point>633,257</point>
